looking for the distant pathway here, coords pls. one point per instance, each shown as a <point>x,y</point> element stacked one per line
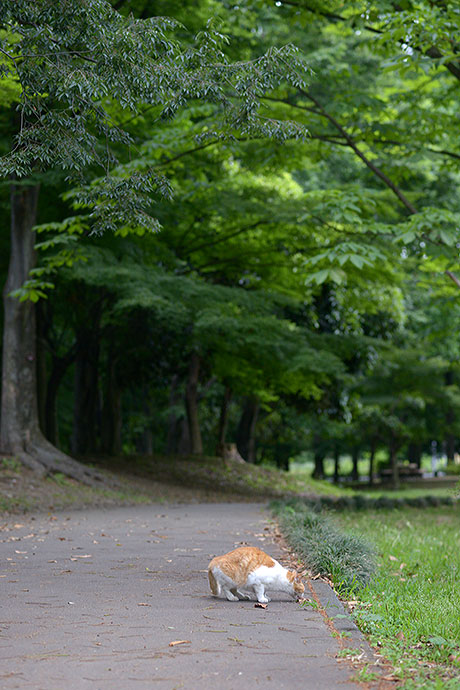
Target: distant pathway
<point>93,599</point>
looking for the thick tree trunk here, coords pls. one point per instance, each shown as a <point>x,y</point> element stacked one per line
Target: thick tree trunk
<point>223,422</point>
<point>20,433</point>
<point>246,432</point>
<point>318,469</point>
<point>191,405</point>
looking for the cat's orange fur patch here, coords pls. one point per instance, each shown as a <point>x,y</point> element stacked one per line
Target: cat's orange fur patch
<point>212,583</point>
<point>238,563</point>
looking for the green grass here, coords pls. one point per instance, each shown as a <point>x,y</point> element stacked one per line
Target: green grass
<point>411,607</point>
<point>348,560</point>
<point>303,466</point>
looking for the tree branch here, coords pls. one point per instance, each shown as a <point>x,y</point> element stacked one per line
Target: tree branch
<point>360,154</point>
<point>432,52</point>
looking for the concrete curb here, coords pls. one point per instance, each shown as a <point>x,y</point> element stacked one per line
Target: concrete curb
<point>341,619</point>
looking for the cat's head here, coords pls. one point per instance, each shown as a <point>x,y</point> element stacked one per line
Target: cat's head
<point>298,587</point>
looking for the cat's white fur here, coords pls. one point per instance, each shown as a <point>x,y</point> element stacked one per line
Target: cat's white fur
<point>260,579</point>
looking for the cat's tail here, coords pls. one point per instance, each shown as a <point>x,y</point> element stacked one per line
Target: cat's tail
<point>215,587</point>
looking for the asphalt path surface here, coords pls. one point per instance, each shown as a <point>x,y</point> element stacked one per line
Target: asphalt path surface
<point>97,599</point>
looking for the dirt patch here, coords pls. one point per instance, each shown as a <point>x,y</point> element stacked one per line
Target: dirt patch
<point>22,491</point>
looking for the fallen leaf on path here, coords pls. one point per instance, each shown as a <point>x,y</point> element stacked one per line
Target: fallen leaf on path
<point>74,558</point>
<point>176,642</point>
<point>260,606</point>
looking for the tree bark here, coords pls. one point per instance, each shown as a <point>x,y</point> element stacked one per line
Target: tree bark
<point>20,433</point>
<point>450,419</point>
<point>191,405</point>
<point>318,470</point>
<point>245,435</point>
<point>355,459</point>
<point>111,418</point>
<point>394,465</point>
<point>86,400</point>
<point>336,464</point>
<point>58,368</point>
<point>172,442</point>
<point>42,377</point>
<point>414,454</point>
<point>223,422</point>
<point>371,464</point>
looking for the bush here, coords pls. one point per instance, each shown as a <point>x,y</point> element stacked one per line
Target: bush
<point>346,559</point>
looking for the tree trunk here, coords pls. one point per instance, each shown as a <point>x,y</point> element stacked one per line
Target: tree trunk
<point>86,400</point>
<point>394,465</point>
<point>172,442</point>
<point>450,419</point>
<point>223,422</point>
<point>371,464</point>
<point>111,412</point>
<point>318,470</point>
<point>245,434</point>
<point>414,454</point>
<point>58,368</point>
<point>183,444</point>
<point>20,433</point>
<point>355,458</point>
<point>42,377</point>
<point>191,405</point>
<point>336,464</point>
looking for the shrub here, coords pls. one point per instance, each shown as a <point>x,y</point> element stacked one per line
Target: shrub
<point>326,550</point>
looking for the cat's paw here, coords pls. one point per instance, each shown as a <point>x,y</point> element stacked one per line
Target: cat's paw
<point>231,597</point>
<point>263,600</point>
<point>243,596</point>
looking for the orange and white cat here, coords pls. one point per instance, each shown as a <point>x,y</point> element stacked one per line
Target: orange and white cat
<point>248,571</point>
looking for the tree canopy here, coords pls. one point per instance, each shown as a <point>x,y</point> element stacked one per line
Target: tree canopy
<point>247,224</point>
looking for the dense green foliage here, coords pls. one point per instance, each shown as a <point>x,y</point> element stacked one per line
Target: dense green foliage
<point>247,226</point>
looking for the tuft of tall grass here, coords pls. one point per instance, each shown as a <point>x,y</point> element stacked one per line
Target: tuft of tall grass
<point>326,549</point>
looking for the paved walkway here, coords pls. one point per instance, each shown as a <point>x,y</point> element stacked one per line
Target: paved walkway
<point>94,599</point>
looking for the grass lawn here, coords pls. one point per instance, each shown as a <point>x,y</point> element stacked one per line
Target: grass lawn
<point>411,608</point>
